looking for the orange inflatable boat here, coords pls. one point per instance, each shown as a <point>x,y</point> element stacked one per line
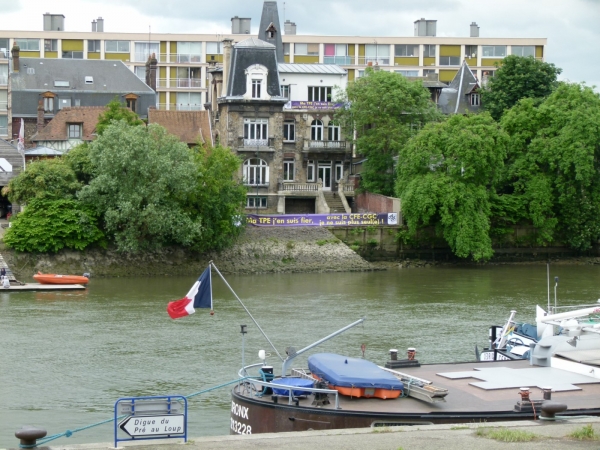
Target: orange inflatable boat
<point>50,278</point>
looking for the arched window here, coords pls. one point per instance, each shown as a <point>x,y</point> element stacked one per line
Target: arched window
<point>256,172</point>
<point>316,130</point>
<point>333,132</point>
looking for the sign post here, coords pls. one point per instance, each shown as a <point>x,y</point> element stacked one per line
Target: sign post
<point>161,417</point>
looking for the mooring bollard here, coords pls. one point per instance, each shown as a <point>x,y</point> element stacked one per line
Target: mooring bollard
<point>29,435</point>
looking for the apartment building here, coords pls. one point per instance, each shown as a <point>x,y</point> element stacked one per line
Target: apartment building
<point>183,59</point>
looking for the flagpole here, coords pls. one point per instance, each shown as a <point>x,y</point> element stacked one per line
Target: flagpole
<point>244,306</point>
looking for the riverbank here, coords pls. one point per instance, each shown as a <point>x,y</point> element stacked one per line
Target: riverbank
<point>258,250</point>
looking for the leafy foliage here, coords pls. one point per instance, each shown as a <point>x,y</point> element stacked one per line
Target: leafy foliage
<point>385,109</point>
<point>78,159</point>
<point>447,176</point>
<point>143,177</point>
<point>116,112</point>
<point>555,162</point>
<point>51,225</point>
<point>516,78</point>
<point>47,178</point>
<point>218,197</point>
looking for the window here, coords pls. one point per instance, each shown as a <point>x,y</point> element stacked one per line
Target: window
<point>50,45</point>
<point>4,49</point>
<point>3,75</point>
<point>337,54</point>
<point>475,99</point>
<point>470,51</point>
<point>116,46</point>
<point>406,50</point>
<point>319,93</point>
<point>429,51</point>
<point>310,171</point>
<point>61,83</point>
<point>3,125</point>
<point>28,45</point>
<point>408,73</point>
<point>94,46</point>
<point>256,132</point>
<point>333,132</point>
<point>64,103</point>
<point>289,165</point>
<point>286,49</point>
<point>493,51</point>
<point>339,170</point>
<point>285,91</point>
<point>74,130</point>
<point>289,131</point>
<point>188,77</point>
<point>449,60</point>
<point>140,71</point>
<point>256,172</point>
<point>316,130</point>
<point>189,101</point>
<point>189,52</point>
<point>377,54</point>
<point>427,72</point>
<point>77,102</point>
<point>256,202</point>
<point>72,55</point>
<point>256,86</point>
<point>523,50</point>
<point>214,48</point>
<point>3,100</point>
<point>49,104</point>
<point>131,103</point>
<point>360,73</point>
<point>143,50</point>
<point>306,49</point>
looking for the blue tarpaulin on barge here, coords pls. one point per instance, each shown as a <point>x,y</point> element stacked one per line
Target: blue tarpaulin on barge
<point>344,371</point>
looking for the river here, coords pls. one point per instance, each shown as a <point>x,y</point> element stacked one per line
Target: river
<point>66,357</point>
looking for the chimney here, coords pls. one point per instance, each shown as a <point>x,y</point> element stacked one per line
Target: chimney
<point>227,48</point>
<point>425,27</point>
<point>474,30</point>
<point>100,25</point>
<point>94,28</point>
<point>240,25</point>
<point>15,57</point>
<point>54,22</point>
<point>40,116</point>
<point>289,27</point>
<point>151,71</point>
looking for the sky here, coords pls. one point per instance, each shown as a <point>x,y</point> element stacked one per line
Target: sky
<point>571,26</point>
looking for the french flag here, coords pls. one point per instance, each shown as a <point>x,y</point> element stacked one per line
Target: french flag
<point>199,296</point>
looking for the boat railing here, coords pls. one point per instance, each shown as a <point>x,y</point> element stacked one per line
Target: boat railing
<point>243,373</point>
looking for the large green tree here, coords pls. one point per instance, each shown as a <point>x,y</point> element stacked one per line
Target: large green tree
<point>143,178</point>
<point>47,178</point>
<point>447,176</point>
<point>116,112</point>
<point>518,77</point>
<point>555,163</point>
<point>385,109</point>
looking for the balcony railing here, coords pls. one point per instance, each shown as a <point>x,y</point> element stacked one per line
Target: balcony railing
<point>340,60</point>
<point>298,187</point>
<point>181,58</point>
<point>3,80</point>
<point>4,106</point>
<point>374,60</point>
<point>326,144</point>
<point>255,143</point>
<point>180,83</point>
<point>179,107</point>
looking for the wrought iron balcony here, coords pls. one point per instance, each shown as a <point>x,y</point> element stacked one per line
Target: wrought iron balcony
<point>250,144</point>
<point>324,145</point>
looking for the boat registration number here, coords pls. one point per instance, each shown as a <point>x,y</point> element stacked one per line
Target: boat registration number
<point>240,428</point>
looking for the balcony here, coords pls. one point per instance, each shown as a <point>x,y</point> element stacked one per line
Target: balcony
<point>325,145</point>
<point>374,60</point>
<point>180,83</point>
<point>254,144</point>
<point>339,60</point>
<point>177,107</point>
<point>180,58</point>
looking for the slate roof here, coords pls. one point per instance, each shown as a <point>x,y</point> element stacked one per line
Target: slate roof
<point>190,127</point>
<point>245,54</point>
<point>108,76</point>
<point>311,68</point>
<point>12,155</point>
<point>56,129</point>
<point>454,99</point>
<point>268,18</point>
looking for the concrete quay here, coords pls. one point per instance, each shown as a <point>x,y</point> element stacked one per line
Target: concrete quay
<point>553,435</point>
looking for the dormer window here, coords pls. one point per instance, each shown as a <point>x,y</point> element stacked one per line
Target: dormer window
<point>131,101</point>
<point>256,83</point>
<point>271,30</point>
<point>74,130</point>
<point>48,102</point>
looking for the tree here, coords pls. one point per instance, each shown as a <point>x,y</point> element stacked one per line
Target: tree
<point>51,225</point>
<point>446,179</point>
<point>47,178</point>
<point>116,112</point>
<point>516,78</point>
<point>143,178</point>
<point>218,198</point>
<point>555,162</point>
<point>385,109</point>
<point>78,159</point>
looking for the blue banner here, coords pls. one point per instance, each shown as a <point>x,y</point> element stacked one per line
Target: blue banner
<point>322,220</point>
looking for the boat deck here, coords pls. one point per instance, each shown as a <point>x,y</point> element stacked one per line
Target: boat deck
<point>43,287</point>
<point>495,388</point>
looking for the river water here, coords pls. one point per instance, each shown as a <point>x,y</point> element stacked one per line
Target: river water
<point>66,357</point>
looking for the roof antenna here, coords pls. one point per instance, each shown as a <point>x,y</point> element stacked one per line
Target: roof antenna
<point>283,12</point>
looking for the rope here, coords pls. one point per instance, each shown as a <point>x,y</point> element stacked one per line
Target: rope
<point>69,433</point>
<point>406,391</point>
